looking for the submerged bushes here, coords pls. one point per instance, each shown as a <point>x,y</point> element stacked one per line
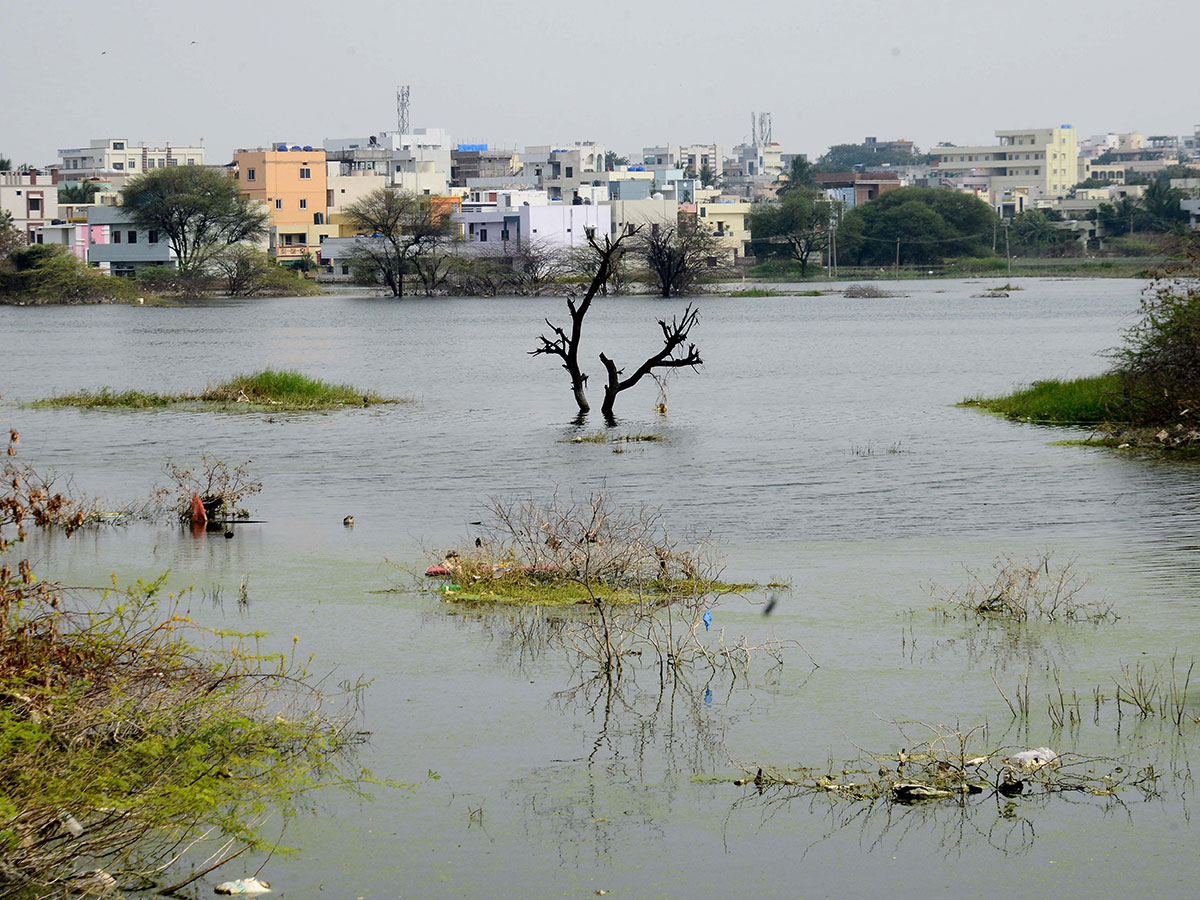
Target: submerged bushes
<point>131,736</point>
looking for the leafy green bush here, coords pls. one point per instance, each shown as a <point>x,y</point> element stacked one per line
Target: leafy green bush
<point>47,273</point>
<point>1159,364</point>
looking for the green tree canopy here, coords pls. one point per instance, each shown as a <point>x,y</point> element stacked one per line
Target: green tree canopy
<point>197,209</point>
<point>930,224</point>
<point>1161,203</point>
<point>843,157</point>
<point>800,175</point>
<point>799,223</point>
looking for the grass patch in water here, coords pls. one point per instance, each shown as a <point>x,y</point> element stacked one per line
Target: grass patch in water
<point>548,589</point>
<point>106,398</point>
<point>602,437</point>
<point>275,389</point>
<point>1079,401</point>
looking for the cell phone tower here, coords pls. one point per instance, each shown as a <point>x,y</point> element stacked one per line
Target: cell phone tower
<point>402,108</point>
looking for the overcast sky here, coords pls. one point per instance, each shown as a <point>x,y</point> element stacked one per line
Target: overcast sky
<point>626,74</point>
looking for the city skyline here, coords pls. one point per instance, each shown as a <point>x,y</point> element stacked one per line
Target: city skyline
<point>243,75</point>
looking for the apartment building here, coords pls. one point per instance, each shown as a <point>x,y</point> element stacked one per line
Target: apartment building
<point>1042,160</point>
<point>291,182</point>
<point>30,197</point>
<point>417,161</point>
<point>120,158</point>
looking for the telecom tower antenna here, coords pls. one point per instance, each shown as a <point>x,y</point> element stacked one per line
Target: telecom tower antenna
<point>764,129</point>
<point>402,108</point>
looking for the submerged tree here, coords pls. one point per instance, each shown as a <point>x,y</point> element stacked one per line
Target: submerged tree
<point>566,346</point>
<point>401,233</point>
<point>198,210</point>
<point>678,256</point>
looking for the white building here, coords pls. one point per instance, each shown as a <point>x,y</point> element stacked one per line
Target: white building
<point>417,161</point>
<point>562,169</point>
<point>31,198</point>
<point>109,157</point>
<point>520,217</point>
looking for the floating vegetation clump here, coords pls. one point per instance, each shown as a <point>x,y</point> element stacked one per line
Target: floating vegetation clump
<point>578,553</point>
<point>274,389</point>
<point>1020,590</point>
<point>867,292</point>
<point>603,437</point>
<point>950,767</point>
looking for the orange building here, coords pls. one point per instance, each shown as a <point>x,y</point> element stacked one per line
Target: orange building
<point>290,182</point>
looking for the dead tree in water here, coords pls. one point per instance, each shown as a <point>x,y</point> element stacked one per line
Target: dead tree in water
<point>674,336</point>
<point>566,346</point>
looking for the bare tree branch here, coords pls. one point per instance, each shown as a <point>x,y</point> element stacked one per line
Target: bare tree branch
<point>675,335</point>
<point>567,347</point>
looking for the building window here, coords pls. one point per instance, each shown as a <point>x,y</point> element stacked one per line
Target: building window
<point>191,160</point>
<point>133,164</point>
<point>119,167</point>
<point>483,234</point>
<point>116,237</point>
<point>304,203</point>
<point>504,234</point>
<point>172,162</point>
<point>151,163</point>
<point>345,270</point>
<point>279,203</point>
<point>319,219</point>
<point>118,145</point>
<point>305,173</point>
<point>152,237</point>
<point>35,204</point>
<point>250,175</point>
<point>570,171</point>
<point>132,237</point>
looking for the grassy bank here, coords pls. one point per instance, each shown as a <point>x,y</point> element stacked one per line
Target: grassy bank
<point>965,267</point>
<point>1098,403</point>
<point>1079,401</point>
<point>273,389</point>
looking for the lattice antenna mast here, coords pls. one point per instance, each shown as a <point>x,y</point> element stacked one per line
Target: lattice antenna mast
<point>764,129</point>
<point>402,108</point>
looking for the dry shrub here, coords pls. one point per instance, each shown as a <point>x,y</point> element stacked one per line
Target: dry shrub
<point>1020,590</point>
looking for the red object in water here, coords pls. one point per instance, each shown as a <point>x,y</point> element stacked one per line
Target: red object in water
<point>199,516</point>
<point>437,572</point>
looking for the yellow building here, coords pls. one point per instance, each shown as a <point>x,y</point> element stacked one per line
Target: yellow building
<point>729,221</point>
<point>1043,160</point>
<point>291,183</point>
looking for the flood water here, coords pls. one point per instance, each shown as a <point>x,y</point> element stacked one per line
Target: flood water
<point>818,445</point>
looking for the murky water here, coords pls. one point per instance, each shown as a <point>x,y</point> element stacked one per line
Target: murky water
<point>818,445</point>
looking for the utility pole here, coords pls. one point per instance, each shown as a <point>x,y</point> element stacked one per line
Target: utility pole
<point>896,271</point>
<point>1007,252</point>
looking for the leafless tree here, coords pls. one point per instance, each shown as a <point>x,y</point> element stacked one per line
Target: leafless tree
<point>566,346</point>
<point>677,257</point>
<point>670,356</point>
<point>536,265</point>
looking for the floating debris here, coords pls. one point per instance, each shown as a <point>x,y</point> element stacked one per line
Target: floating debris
<point>243,886</point>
